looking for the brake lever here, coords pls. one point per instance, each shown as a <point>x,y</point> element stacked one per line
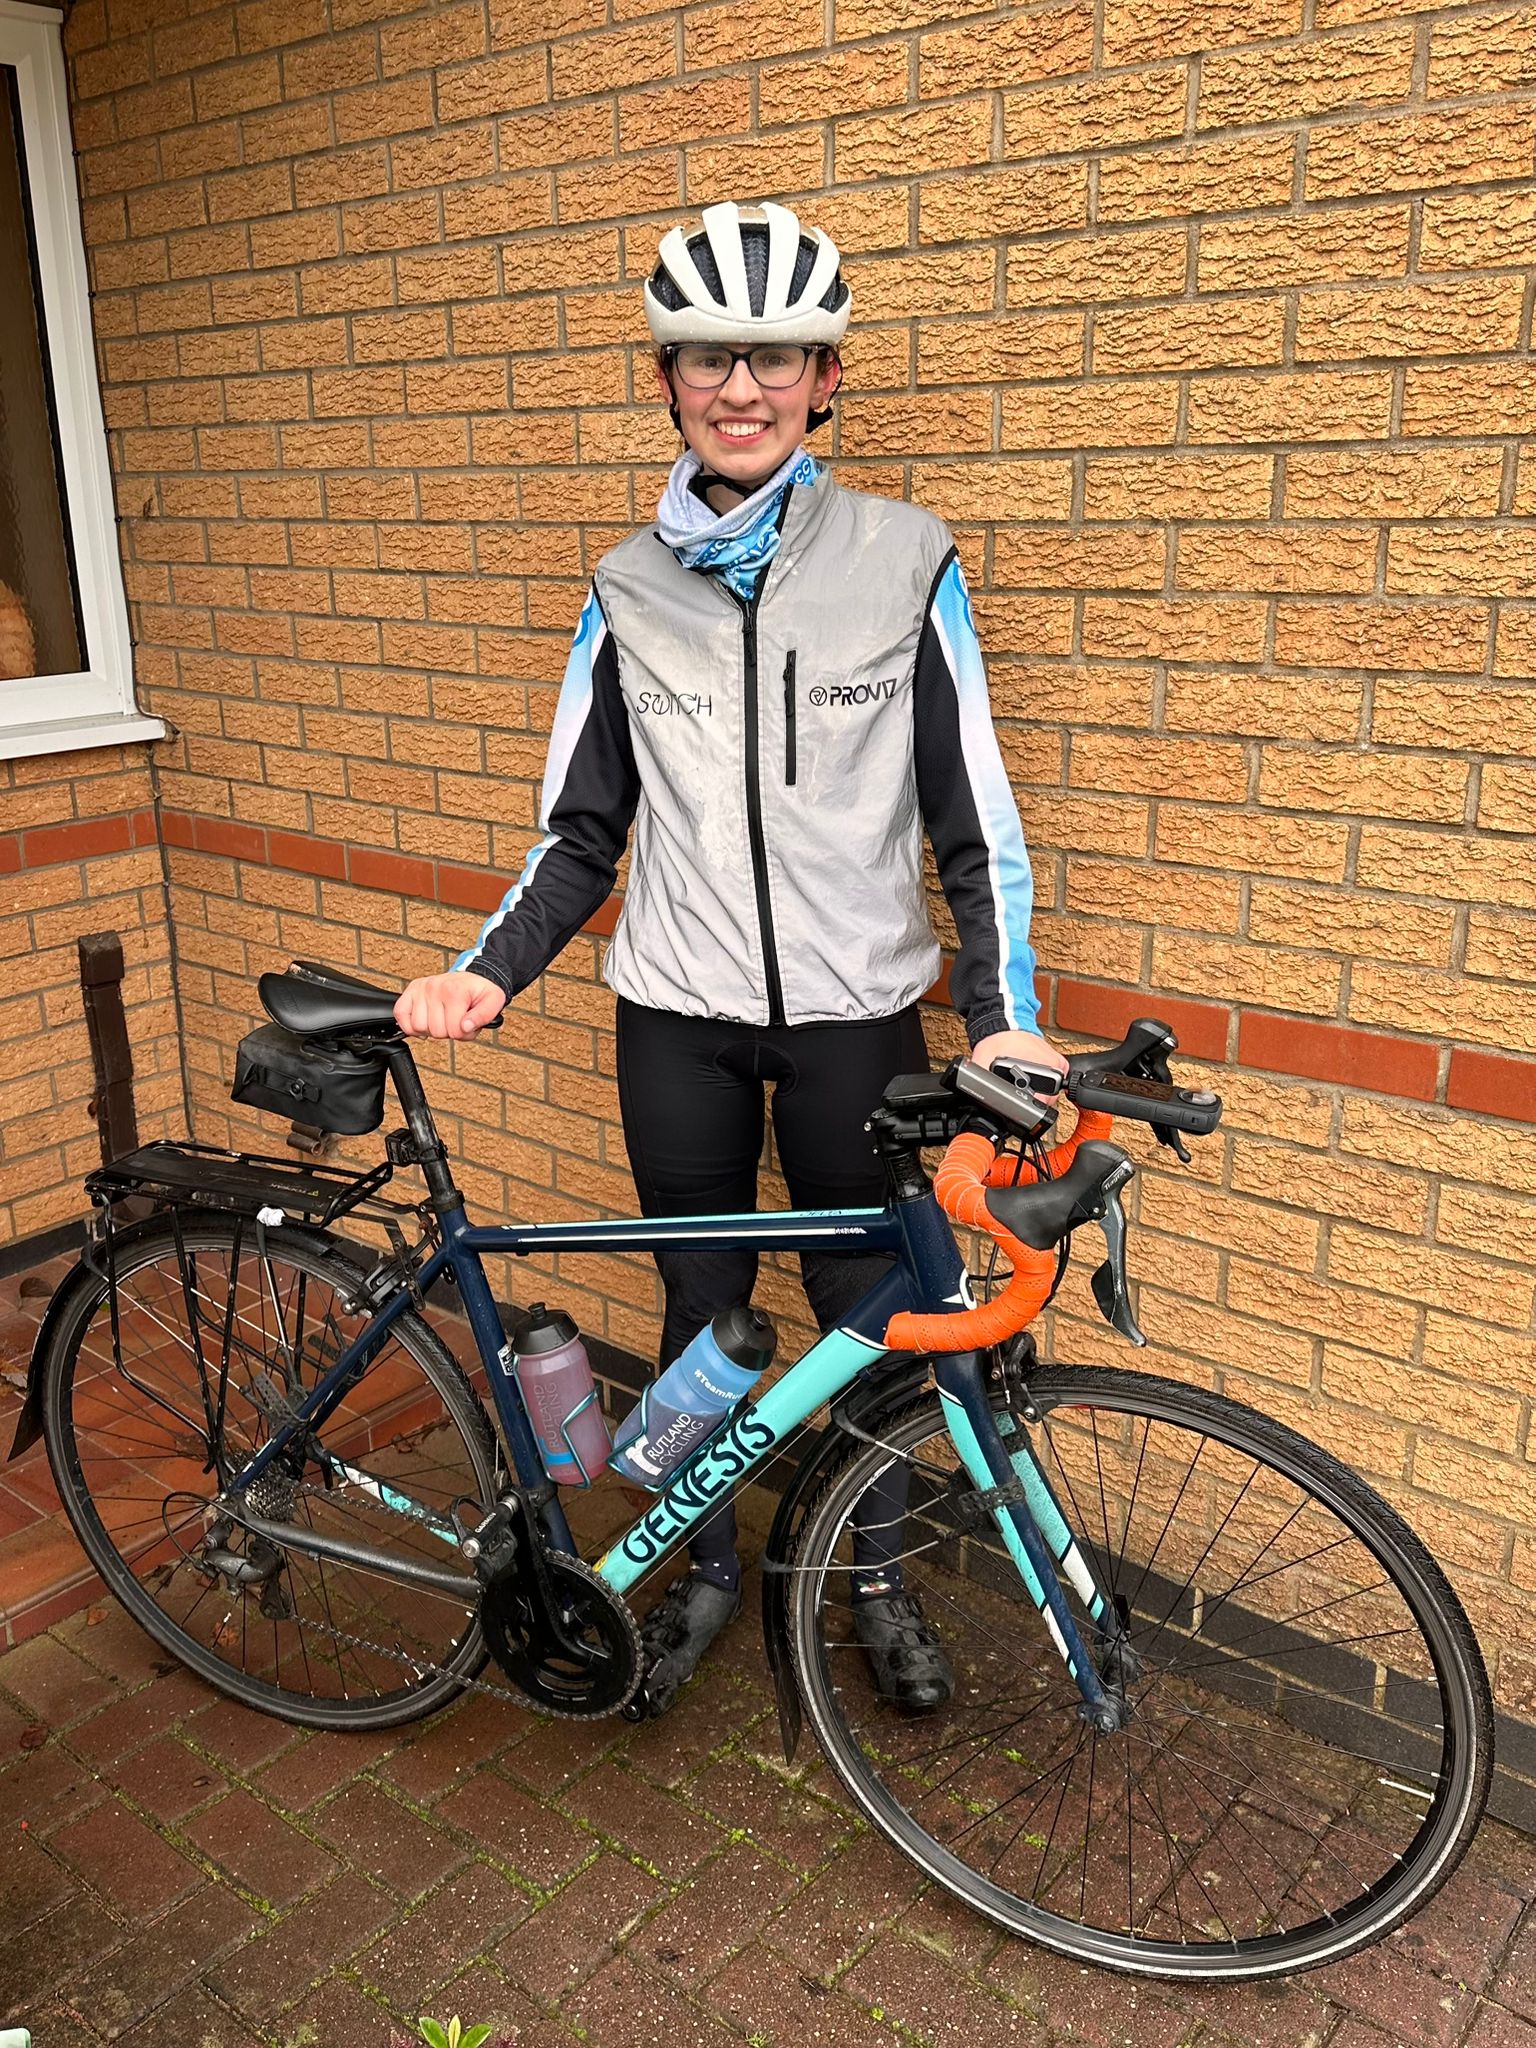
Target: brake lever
<point>1111,1288</point>
<point>1165,1134</point>
<point>1153,1065</point>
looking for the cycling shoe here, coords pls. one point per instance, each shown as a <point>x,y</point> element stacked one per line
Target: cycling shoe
<point>911,1670</point>
<point>677,1632</point>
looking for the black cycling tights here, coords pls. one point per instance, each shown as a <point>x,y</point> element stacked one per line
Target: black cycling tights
<point>691,1096</point>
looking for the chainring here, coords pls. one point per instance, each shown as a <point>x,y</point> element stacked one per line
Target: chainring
<point>599,1681</point>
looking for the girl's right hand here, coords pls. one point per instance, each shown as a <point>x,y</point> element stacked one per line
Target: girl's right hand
<point>448,1005</point>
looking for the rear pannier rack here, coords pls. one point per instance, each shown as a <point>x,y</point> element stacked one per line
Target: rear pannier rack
<point>184,1174</point>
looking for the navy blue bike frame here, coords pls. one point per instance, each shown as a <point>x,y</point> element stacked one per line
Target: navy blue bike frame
<point>928,1276</point>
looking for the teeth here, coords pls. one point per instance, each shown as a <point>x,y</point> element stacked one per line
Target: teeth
<point>740,433</point>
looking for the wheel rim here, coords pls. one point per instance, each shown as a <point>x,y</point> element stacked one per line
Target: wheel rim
<point>1281,1793</point>
<point>132,1446</point>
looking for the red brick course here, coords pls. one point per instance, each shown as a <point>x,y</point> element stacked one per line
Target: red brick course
<point>1380,1061</point>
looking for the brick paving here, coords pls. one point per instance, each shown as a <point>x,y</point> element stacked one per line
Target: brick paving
<point>183,1873</point>
<point>180,1873</point>
<point>43,1571</point>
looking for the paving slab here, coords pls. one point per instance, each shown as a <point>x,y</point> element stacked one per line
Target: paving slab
<point>179,1870</point>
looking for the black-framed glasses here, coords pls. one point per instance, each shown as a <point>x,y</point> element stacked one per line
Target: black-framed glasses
<point>706,365</point>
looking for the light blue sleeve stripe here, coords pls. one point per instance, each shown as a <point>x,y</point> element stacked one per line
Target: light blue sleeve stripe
<point>1013,887</point>
<point>571,713</point>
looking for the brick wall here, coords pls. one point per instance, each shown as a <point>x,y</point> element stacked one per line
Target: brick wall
<point>1205,325</point>
<point>79,852</point>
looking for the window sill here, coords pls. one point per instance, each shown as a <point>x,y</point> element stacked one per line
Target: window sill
<point>69,735</point>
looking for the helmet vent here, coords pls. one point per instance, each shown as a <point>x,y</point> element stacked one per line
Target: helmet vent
<point>754,252</point>
<point>749,272</point>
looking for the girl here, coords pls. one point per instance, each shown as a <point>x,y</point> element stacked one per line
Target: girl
<point>778,682</point>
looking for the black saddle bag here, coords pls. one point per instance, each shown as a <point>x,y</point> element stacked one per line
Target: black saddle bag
<point>327,1087</point>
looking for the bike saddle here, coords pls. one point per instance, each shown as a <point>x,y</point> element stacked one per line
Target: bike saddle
<point>308,1000</point>
<point>1041,1213</point>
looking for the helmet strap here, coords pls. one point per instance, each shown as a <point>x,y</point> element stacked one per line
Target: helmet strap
<point>703,481</point>
<point>819,415</point>
<point>666,378</point>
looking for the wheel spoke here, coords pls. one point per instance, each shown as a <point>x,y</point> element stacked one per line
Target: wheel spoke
<point>1248,1815</point>
<point>207,1320</point>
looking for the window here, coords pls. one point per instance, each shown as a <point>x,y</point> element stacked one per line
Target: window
<point>66,677</point>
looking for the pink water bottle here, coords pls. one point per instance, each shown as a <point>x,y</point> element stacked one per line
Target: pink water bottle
<point>555,1378</point>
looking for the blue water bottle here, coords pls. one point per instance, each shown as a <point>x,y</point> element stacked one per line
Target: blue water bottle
<point>692,1397</point>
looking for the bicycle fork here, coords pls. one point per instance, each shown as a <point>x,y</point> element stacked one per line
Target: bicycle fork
<point>1021,1503</point>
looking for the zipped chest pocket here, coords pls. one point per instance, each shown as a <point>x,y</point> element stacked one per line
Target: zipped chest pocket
<point>789,716</point>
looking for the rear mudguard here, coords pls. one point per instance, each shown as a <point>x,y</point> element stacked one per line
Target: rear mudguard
<point>89,1271</point>
<point>889,1386</point>
<point>29,1424</point>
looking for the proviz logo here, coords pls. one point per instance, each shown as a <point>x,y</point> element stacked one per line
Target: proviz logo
<point>855,693</point>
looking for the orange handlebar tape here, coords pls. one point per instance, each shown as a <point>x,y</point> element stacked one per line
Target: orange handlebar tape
<point>961,1186</point>
<point>969,1167</point>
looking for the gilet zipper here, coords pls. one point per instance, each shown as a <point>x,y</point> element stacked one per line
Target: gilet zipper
<point>755,838</point>
<point>755,811</point>
<point>789,716</point>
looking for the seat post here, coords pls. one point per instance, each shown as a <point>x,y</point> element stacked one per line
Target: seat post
<point>431,1154</point>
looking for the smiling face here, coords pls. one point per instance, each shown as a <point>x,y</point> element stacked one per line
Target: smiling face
<point>744,430</point>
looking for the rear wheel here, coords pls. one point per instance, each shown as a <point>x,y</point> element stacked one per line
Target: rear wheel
<point>142,1440</point>
<point>1308,1731</point>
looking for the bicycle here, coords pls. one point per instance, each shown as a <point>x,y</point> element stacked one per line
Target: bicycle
<point>1217,1711</point>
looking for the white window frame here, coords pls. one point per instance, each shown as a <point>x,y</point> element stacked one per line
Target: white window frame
<point>94,707</point>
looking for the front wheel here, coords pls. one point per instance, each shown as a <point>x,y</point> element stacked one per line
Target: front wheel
<point>1307,1731</point>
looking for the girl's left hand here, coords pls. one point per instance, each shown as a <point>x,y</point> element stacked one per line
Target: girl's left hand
<point>1018,1045</point>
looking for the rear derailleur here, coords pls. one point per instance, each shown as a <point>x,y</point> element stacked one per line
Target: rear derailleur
<point>259,1564</point>
<point>271,1497</point>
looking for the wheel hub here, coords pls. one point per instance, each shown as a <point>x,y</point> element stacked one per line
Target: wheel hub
<point>271,1494</point>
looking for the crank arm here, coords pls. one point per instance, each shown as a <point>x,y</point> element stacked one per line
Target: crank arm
<point>519,1554</point>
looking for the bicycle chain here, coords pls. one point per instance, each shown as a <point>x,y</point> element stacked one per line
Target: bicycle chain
<point>359,1497</point>
<point>422,1664</point>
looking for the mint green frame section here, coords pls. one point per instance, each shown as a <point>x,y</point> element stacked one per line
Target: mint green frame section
<point>1043,1512</point>
<point>718,1467</point>
<point>1050,1521</point>
<point>974,1458</point>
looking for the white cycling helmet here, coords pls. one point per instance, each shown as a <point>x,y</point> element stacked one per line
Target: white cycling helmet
<point>751,273</point>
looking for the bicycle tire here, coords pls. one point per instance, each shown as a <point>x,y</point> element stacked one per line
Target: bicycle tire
<point>81,1329</point>
<point>1453,1807</point>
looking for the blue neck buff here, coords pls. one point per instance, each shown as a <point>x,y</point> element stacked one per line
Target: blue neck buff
<point>737,545</point>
